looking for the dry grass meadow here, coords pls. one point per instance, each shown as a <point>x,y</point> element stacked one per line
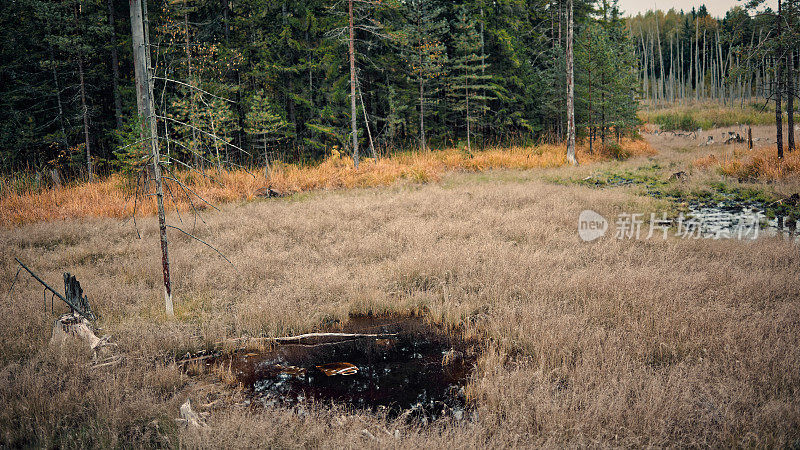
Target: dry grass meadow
<point>616,343</point>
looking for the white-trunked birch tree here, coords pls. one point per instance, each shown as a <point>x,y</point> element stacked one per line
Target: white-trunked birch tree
<point>570,88</point>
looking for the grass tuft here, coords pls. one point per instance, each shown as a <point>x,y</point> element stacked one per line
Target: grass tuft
<point>759,164</point>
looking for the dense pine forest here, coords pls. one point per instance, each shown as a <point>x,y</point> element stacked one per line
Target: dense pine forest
<point>240,81</point>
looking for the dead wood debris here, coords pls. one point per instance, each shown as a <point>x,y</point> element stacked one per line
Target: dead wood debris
<point>75,326</point>
<point>189,418</point>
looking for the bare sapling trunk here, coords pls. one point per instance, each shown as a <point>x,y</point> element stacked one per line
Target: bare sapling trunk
<point>483,74</point>
<point>422,144</point>
<point>144,101</point>
<point>721,67</point>
<point>266,161</point>
<point>352,50</point>
<point>570,91</point>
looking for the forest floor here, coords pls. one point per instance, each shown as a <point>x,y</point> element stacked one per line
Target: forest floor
<point>616,342</point>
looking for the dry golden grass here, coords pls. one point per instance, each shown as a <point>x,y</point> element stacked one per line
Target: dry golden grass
<point>706,115</point>
<point>613,343</point>
<point>759,164</point>
<point>112,197</point>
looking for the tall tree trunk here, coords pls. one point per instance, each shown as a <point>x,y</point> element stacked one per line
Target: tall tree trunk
<point>790,86</point>
<point>144,101</point>
<point>661,60</point>
<point>696,59</point>
<point>352,50</point>
<point>778,79</point>
<point>653,67</point>
<point>790,101</point>
<point>671,71</point>
<point>721,67</point>
<point>84,106</point>
<point>591,99</point>
<point>646,85</point>
<point>115,66</point>
<point>225,20</point>
<point>570,91</point>
<point>422,142</point>
<point>483,74</point>
<point>705,53</point>
<point>466,96</point>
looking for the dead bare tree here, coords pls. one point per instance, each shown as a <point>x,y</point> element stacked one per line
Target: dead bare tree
<point>144,102</point>
<point>166,180</point>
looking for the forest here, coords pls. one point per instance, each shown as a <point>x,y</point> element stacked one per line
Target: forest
<point>245,82</point>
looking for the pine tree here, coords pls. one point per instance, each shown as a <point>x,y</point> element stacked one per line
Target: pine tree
<point>266,126</point>
<point>425,52</point>
<point>469,83</point>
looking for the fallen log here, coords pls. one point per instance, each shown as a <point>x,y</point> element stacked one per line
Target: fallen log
<point>301,339</point>
<point>323,336</point>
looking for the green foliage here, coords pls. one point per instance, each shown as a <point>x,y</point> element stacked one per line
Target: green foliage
<point>676,121</point>
<point>132,150</point>
<point>469,83</point>
<point>252,76</point>
<point>605,77</point>
<point>263,124</point>
<point>694,118</point>
<point>616,151</point>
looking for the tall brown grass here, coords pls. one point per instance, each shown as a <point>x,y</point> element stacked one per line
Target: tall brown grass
<point>113,196</point>
<point>760,164</point>
<point>615,343</point>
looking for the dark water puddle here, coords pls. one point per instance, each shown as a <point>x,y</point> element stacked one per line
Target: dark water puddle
<point>417,372</point>
<point>735,219</point>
